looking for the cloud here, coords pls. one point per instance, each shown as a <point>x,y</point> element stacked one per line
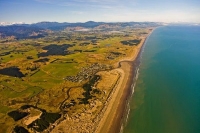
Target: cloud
<point>101,4</point>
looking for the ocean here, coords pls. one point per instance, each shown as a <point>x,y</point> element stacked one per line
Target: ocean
<point>166,97</point>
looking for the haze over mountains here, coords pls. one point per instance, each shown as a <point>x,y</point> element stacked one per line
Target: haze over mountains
<point>36,30</point>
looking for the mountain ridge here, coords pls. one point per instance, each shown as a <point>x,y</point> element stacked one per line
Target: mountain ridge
<point>39,29</point>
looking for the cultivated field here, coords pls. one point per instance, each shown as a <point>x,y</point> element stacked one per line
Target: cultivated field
<point>60,77</point>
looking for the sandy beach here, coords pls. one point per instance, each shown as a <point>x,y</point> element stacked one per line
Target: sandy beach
<point>112,118</point>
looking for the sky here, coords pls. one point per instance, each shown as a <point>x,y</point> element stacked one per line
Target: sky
<point>32,11</point>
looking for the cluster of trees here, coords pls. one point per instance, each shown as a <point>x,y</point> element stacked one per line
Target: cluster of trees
<point>88,88</point>
<point>131,42</point>
<point>12,71</point>
<point>54,49</point>
<point>17,115</point>
<point>43,123</point>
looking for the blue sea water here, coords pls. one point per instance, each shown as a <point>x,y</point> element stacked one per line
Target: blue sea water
<point>167,93</point>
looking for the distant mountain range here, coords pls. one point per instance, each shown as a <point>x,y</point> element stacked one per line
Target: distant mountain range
<point>21,31</point>
<point>39,29</point>
<point>9,23</point>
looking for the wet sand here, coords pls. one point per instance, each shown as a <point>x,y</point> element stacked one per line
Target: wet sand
<point>112,118</point>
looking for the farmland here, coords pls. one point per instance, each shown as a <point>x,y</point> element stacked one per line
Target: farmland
<point>55,76</point>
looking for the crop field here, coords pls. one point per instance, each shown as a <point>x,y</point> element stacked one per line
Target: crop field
<point>55,75</point>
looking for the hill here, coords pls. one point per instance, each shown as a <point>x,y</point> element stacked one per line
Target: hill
<point>40,29</point>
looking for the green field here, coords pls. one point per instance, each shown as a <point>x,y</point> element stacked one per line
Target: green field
<point>50,73</point>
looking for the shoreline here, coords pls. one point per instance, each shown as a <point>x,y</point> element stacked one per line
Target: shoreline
<point>113,118</point>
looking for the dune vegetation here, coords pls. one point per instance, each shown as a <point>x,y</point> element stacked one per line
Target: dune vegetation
<point>57,75</point>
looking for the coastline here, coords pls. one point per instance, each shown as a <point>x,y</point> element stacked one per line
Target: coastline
<point>113,118</point>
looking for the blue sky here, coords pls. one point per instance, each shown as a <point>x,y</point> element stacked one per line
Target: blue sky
<point>31,11</point>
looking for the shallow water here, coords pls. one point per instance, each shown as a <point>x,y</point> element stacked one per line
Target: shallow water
<point>166,98</point>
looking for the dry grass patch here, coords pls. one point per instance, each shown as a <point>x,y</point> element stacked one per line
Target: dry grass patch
<point>75,93</point>
<point>107,81</point>
<point>34,114</point>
